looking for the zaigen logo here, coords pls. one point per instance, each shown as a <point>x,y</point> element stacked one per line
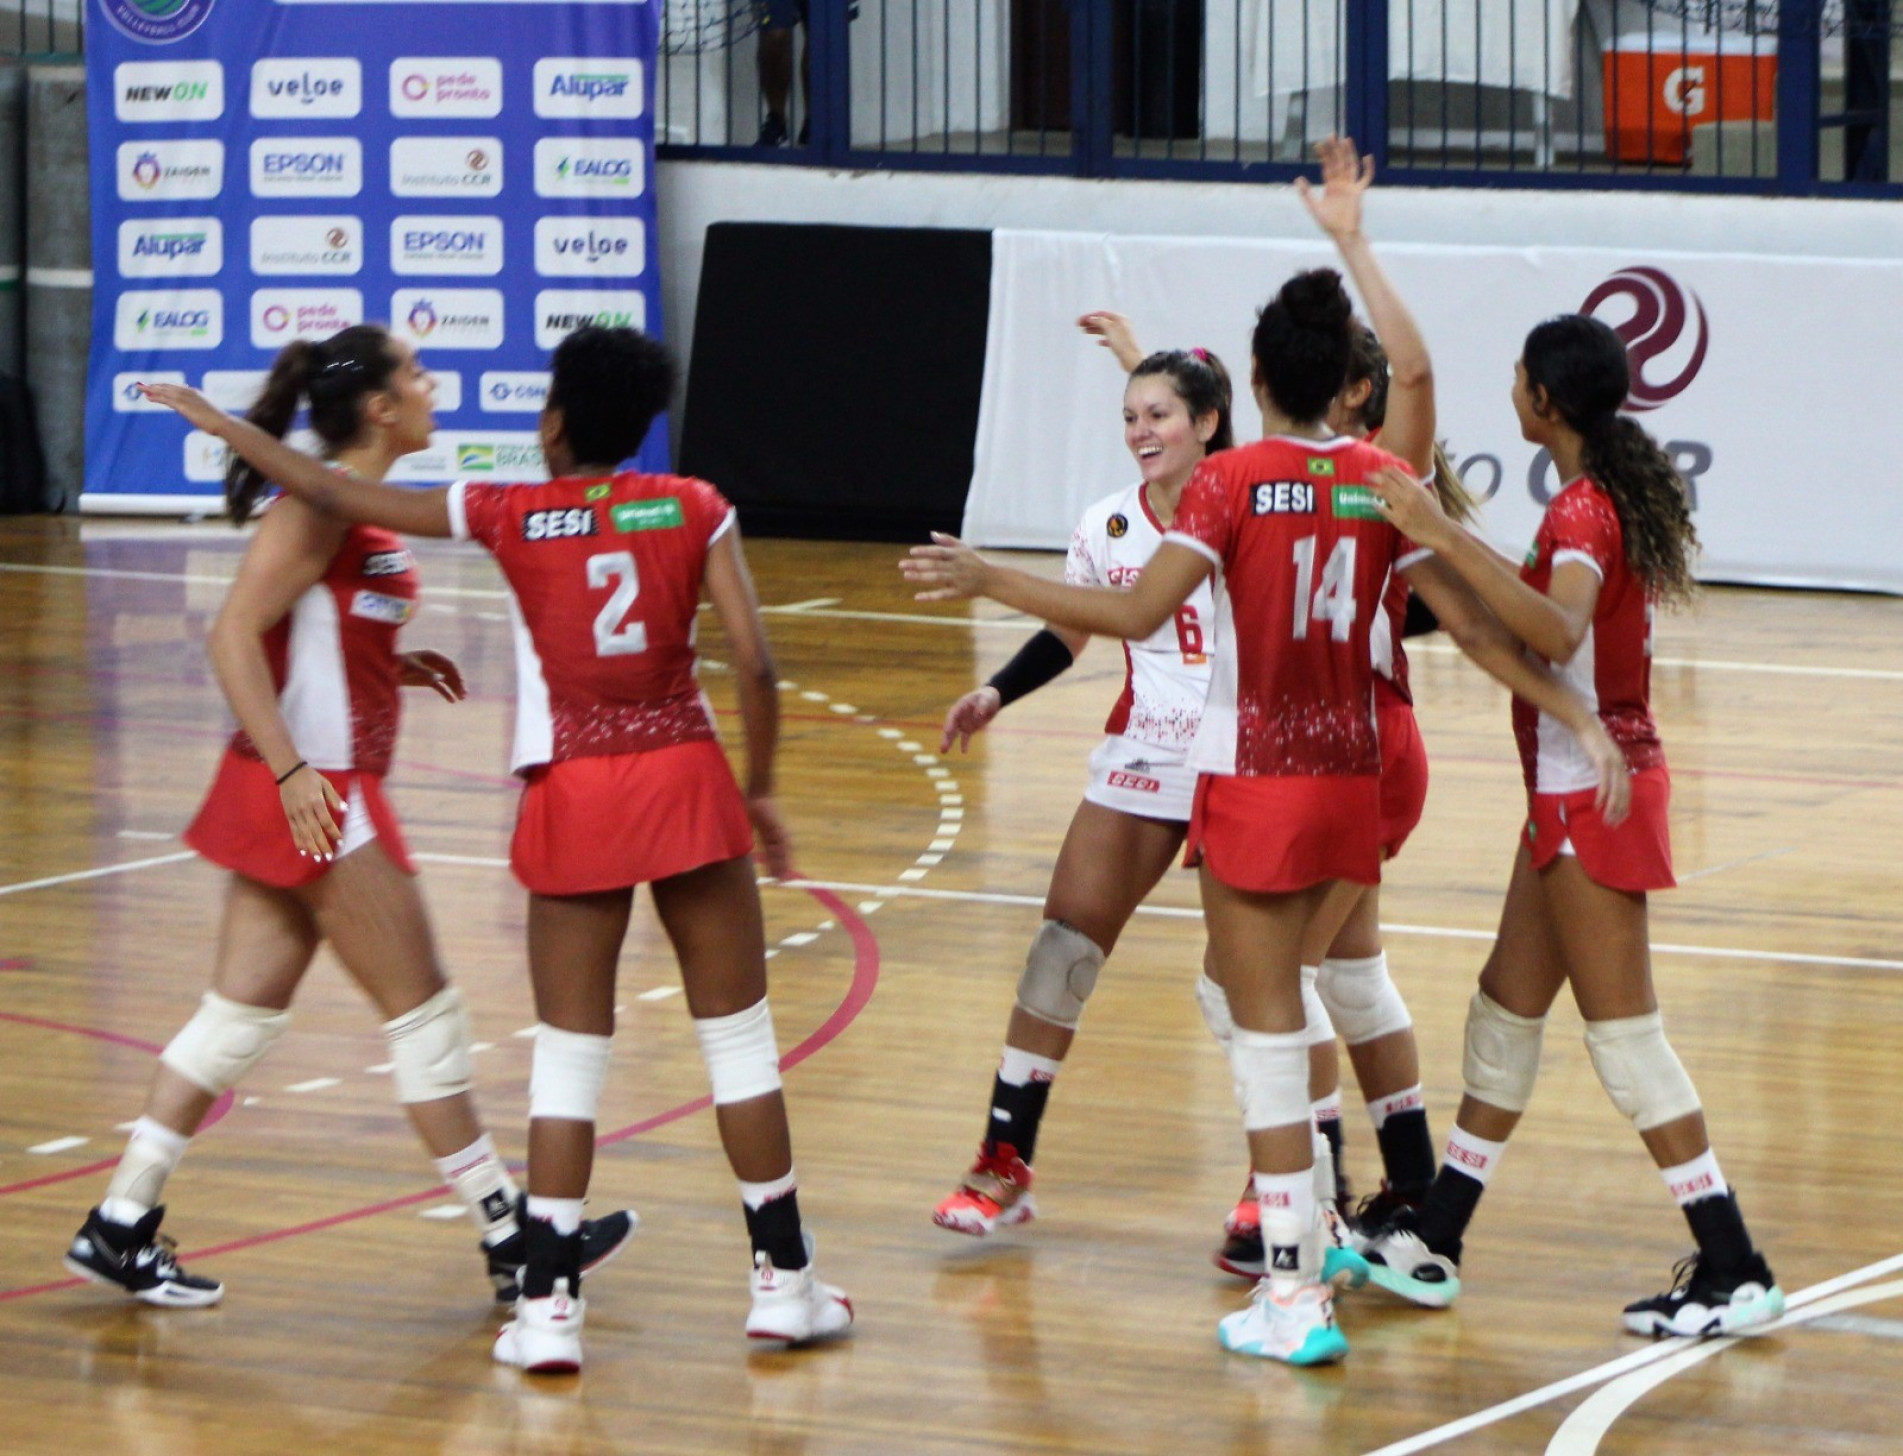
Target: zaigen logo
<point>448,166</point>
<point>168,90</point>
<point>187,318</point>
<point>449,318</point>
<point>176,171</point>
<point>175,247</point>
<point>157,22</point>
<point>306,167</point>
<point>329,86</point>
<point>1654,328</point>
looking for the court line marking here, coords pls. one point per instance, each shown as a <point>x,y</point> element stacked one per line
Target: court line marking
<point>1612,1369</point>
<point>97,874</point>
<point>1737,863</point>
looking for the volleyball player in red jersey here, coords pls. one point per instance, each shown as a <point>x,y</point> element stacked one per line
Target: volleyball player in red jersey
<point>625,784</point>
<point>305,649</point>
<point>1288,802</point>
<point>1615,542</point>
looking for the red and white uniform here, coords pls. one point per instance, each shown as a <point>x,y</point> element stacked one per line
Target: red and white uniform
<point>1141,766</point>
<point>1612,671</point>
<point>333,660</point>
<point>1403,755</point>
<point>626,781</point>
<point>1288,745</point>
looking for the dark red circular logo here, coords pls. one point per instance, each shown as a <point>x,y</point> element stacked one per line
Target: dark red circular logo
<point>1657,323</point>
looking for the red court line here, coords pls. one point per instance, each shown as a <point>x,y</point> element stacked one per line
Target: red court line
<point>865,979</point>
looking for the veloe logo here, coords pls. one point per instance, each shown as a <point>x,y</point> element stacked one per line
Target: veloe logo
<point>590,247</point>
<point>307,86</point>
<point>1655,326</point>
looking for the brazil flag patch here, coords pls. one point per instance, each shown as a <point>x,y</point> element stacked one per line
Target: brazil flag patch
<point>598,492</point>
<point>1320,465</point>
<point>647,515</point>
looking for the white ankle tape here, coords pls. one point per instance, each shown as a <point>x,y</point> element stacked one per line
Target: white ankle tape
<point>743,1059</point>
<point>1321,1030</point>
<point>1271,1072</point>
<point>1362,998</point>
<point>223,1040</point>
<point>569,1069</point>
<point>429,1048</point>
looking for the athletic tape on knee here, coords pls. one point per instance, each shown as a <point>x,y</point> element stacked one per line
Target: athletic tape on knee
<point>429,1048</point>
<point>223,1040</point>
<point>743,1059</point>
<point>1059,974</point>
<point>1501,1057</point>
<point>1214,1004</point>
<point>1271,1072</point>
<point>567,1074</point>
<point>1362,998</point>
<point>1320,1028</point>
<point>1640,1071</point>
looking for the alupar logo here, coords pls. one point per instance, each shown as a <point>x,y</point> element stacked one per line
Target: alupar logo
<point>157,22</point>
<point>1658,320</point>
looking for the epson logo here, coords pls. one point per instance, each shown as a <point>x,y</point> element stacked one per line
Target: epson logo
<point>458,245</point>
<point>442,242</point>
<point>560,525</point>
<point>306,167</point>
<point>305,164</point>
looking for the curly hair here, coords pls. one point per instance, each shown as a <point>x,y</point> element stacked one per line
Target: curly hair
<point>1302,342</point>
<point>1201,383</point>
<point>609,384</point>
<point>1581,364</point>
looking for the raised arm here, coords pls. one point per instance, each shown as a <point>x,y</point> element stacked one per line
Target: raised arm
<point>950,571</point>
<point>1336,208</point>
<point>729,587</point>
<point>411,511</point>
<point>1115,333</point>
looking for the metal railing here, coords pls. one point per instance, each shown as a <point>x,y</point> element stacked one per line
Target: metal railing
<point>1775,96</point>
<point>32,29</point>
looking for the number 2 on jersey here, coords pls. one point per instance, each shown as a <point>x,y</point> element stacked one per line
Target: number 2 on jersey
<point>615,634</point>
<point>1333,601</point>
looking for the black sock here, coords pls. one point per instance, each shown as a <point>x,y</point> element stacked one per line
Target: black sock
<point>549,1256</point>
<point>1448,1209</point>
<point>774,1227</point>
<point>1015,1114</point>
<point>1330,1128</point>
<point>1723,1241</point>
<point>1407,1153</point>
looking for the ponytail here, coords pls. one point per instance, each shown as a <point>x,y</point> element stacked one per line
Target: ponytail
<point>1652,502</point>
<point>276,407</point>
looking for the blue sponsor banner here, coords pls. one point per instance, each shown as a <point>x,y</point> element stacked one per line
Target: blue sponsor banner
<point>478,174</point>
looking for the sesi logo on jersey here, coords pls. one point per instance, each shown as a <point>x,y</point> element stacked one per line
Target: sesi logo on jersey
<point>387,563</point>
<point>1284,498</point>
<point>560,525</point>
<point>377,607</point>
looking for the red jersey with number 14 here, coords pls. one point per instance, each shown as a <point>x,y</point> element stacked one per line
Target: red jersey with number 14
<point>1303,553</point>
<point>604,577</point>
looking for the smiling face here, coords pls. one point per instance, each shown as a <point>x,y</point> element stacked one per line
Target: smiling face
<point>412,395</point>
<point>1157,428</point>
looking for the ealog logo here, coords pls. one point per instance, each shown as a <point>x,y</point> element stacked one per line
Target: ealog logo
<point>1655,327</point>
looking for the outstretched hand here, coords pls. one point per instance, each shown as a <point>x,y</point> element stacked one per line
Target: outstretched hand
<point>970,714</point>
<point>1346,175</point>
<point>188,402</point>
<point>1413,509</point>
<point>1115,333</point>
<point>949,570</point>
<point>432,670</point>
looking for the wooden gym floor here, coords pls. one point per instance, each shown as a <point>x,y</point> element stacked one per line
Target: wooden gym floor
<point>358,1317</point>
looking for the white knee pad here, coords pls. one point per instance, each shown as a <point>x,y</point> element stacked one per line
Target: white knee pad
<point>569,1068</point>
<point>1501,1058</point>
<point>1059,974</point>
<point>1362,998</point>
<point>1214,1002</point>
<point>743,1059</point>
<point>1640,1071</point>
<point>1271,1072</point>
<point>429,1048</point>
<point>223,1040</point>
<point>1321,1028</point>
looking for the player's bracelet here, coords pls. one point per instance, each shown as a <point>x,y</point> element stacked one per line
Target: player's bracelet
<point>1044,657</point>
<point>291,770</point>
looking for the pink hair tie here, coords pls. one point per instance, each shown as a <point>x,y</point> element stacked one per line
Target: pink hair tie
<point>1202,354</point>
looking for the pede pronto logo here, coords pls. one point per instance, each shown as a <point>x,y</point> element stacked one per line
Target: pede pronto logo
<point>1657,323</point>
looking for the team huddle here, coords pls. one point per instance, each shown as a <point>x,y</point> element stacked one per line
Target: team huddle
<point>1265,730</point>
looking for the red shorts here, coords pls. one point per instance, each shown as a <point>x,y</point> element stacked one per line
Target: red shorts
<point>1403,768</point>
<point>1273,836</point>
<point>241,825</point>
<point>605,823</point>
<point>1634,855</point>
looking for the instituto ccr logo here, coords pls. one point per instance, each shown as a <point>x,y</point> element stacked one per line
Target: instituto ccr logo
<point>1659,317</point>
<point>157,22</point>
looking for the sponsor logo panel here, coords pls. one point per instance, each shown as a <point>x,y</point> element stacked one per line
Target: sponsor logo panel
<point>590,247</point>
<point>126,398</point>
<point>233,390</point>
<point>185,318</point>
<point>647,515</point>
<point>306,244</point>
<point>505,392</point>
<point>446,86</point>
<point>379,607</point>
<point>497,455</point>
<point>175,171</point>
<point>172,247</point>
<point>555,525</point>
<point>306,167</point>
<point>459,246</point>
<point>465,166</point>
<point>168,91</point>
<point>449,389</point>
<point>279,315</point>
<point>589,167</point>
<point>307,86</point>
<point>1284,498</point>
<point>589,86</point>
<point>448,318</point>
<point>560,311</point>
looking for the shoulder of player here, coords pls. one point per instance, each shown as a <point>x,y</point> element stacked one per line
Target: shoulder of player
<point>1097,516</point>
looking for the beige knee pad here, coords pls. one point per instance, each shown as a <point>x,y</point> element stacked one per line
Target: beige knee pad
<point>1639,1070</point>
<point>1501,1058</point>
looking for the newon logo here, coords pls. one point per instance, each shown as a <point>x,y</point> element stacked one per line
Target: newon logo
<point>306,245</point>
<point>171,171</point>
<point>1646,308</point>
<point>129,399</point>
<point>560,311</point>
<point>446,86</point>
<point>458,246</point>
<point>589,247</point>
<point>600,87</point>
<point>279,315</point>
<point>184,318</point>
<point>446,167</point>
<point>157,22</point>
<point>307,86</point>
<point>172,247</point>
<point>502,393</point>
<point>168,91</point>
<point>233,390</point>
<point>588,167</point>
<point>448,318</point>
<point>306,167</point>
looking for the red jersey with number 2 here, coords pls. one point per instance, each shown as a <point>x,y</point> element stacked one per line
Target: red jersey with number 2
<point>1303,555</point>
<point>605,578</point>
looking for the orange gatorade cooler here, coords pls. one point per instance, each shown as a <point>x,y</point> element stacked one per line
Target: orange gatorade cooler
<point>1659,86</point>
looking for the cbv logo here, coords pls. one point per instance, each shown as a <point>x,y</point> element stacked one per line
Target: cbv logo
<point>604,247</point>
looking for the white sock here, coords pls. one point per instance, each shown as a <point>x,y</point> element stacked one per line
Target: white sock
<point>1474,1156</point>
<point>482,1181</point>
<point>1700,1178</point>
<point>1288,1207</point>
<point>152,1152</point>
<point>758,1195</point>
<point>1019,1068</point>
<point>564,1213</point>
<point>1406,1100</point>
<point>1326,1108</point>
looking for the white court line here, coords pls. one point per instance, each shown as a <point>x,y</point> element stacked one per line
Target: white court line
<point>1736,863</point>
<point>1720,664</point>
<point>315,1084</point>
<point>98,874</point>
<point>1599,1374</point>
<point>808,606</point>
<point>59,1145</point>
